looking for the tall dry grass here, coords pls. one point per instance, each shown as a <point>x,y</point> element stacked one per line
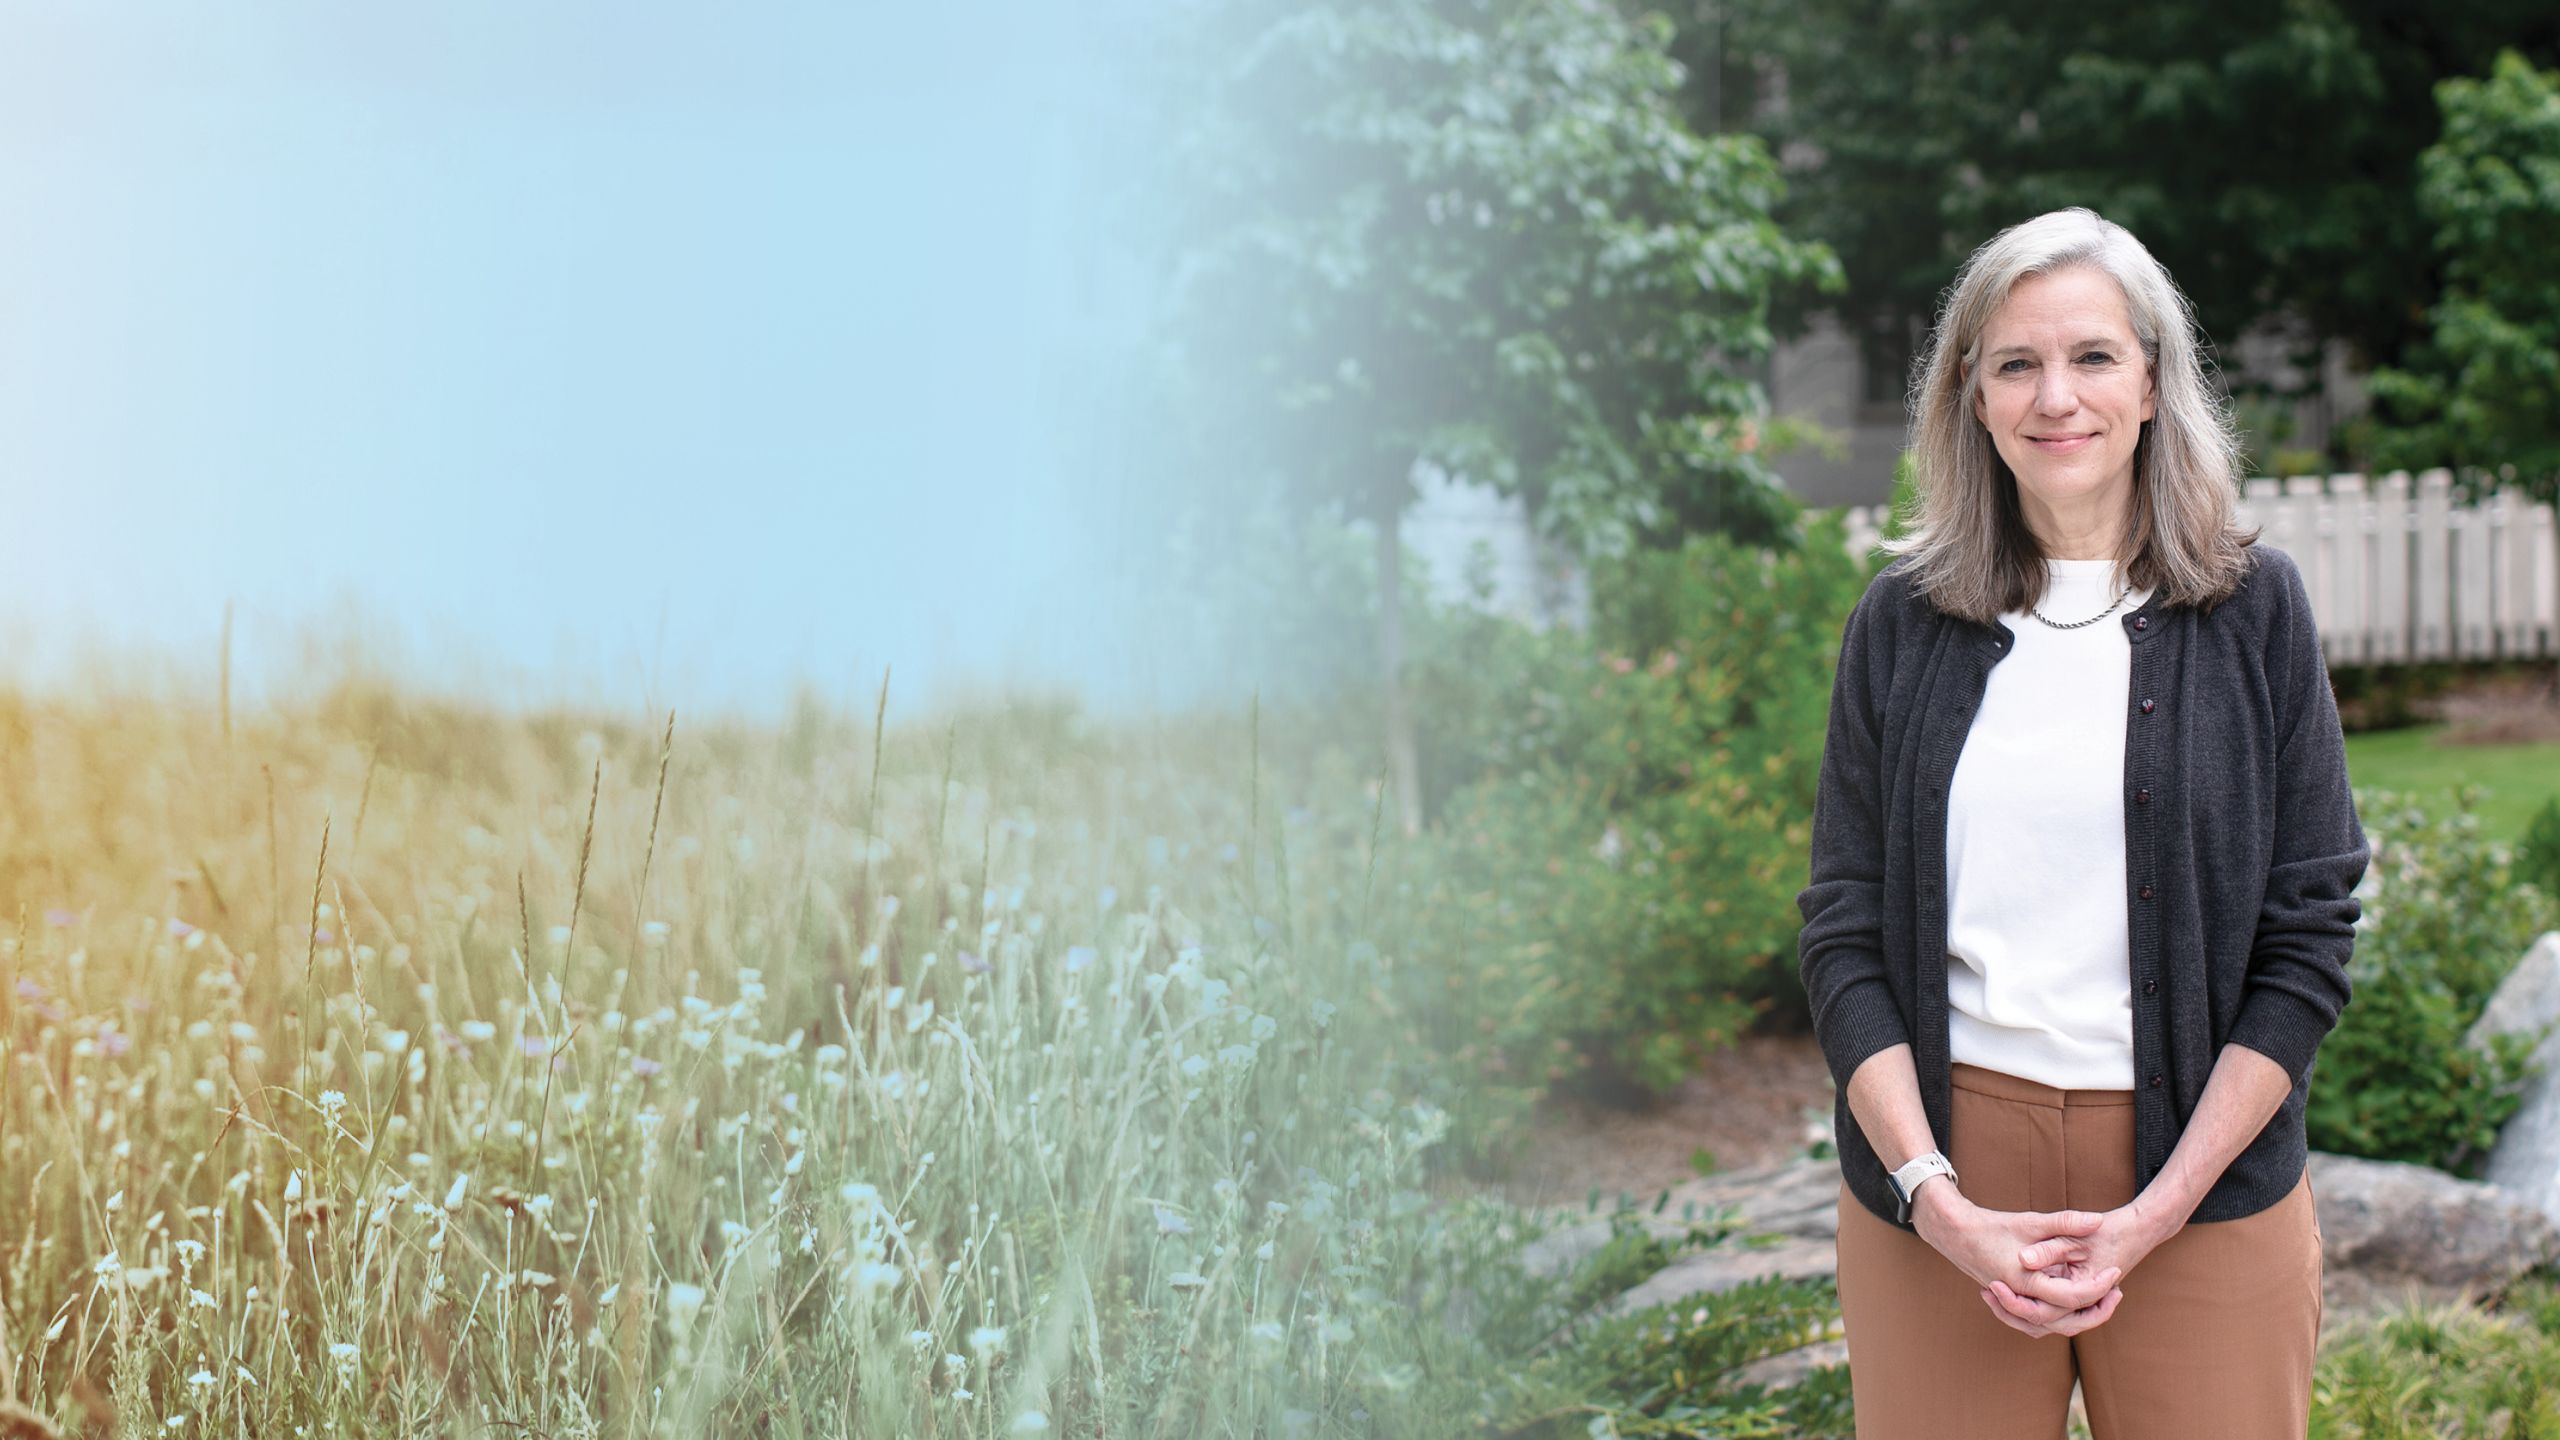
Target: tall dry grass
<point>389,1067</point>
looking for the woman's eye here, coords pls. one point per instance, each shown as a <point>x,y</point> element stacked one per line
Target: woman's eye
<point>2101,356</point>
<point>2012,367</point>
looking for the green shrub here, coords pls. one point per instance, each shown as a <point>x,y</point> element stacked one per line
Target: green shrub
<point>2538,854</point>
<point>1618,888</point>
<point>2444,924</point>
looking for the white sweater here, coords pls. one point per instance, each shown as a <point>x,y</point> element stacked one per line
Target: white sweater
<point>2038,983</point>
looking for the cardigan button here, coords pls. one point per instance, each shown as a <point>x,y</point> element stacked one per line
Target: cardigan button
<point>2146,892</point>
<point>2142,797</point>
<point>2155,1081</point>
<point>2146,707</point>
<point>2141,622</point>
<point>2150,987</point>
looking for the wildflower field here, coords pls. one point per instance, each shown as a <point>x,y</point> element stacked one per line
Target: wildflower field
<point>396,1070</point>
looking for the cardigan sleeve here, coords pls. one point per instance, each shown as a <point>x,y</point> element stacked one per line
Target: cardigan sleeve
<point>1840,950</point>
<point>2297,979</point>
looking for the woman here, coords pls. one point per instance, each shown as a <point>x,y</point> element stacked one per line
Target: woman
<point>2084,856</point>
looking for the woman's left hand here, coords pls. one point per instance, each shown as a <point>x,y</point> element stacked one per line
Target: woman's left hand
<point>2124,1237</point>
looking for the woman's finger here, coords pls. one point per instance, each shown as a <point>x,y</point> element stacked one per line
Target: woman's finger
<point>2064,1223</point>
<point>2027,1307</point>
<point>2071,1291</point>
<point>2013,1322</point>
<point>2059,1250</point>
<point>2081,1322</point>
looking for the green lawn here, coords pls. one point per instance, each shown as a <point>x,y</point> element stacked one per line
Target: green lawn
<point>2516,778</point>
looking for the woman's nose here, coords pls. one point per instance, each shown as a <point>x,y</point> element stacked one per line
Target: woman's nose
<point>2054,395</point>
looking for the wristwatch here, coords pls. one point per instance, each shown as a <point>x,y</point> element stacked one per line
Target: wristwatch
<point>1906,1181</point>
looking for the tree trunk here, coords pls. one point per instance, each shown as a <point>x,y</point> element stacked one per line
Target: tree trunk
<point>1402,760</point>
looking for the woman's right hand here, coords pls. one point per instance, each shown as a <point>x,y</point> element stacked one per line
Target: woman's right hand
<point>1984,1244</point>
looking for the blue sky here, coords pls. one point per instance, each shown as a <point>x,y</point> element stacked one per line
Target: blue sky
<point>644,354</point>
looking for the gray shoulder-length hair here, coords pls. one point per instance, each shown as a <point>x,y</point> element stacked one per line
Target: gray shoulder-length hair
<point>1971,552</point>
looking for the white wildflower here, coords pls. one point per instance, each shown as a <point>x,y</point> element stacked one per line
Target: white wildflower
<point>683,1303</point>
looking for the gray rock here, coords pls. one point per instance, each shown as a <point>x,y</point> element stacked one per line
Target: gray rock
<point>1797,1198</point>
<point>2526,1158</point>
<point>1724,1266</point>
<point>2391,1231</point>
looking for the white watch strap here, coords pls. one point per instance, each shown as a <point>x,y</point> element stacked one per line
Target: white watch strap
<point>1917,1169</point>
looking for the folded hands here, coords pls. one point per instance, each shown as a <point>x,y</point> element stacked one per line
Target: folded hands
<point>2042,1272</point>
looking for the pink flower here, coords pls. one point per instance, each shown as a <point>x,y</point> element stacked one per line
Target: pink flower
<point>61,919</point>
<point>179,929</point>
<point>114,1043</point>
<point>644,1067</point>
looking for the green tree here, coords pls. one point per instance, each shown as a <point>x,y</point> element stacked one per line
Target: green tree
<point>1478,237</point>
<point>2482,393</point>
<point>2265,150</point>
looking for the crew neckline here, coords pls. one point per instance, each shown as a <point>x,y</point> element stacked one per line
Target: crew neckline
<point>2084,574</point>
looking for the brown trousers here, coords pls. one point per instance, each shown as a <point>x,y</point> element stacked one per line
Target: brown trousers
<point>2214,1336</point>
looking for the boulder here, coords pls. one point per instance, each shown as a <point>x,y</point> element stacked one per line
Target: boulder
<point>2391,1230</point>
<point>2526,1159</point>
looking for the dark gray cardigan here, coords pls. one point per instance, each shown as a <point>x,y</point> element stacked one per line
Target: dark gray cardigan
<point>2242,850</point>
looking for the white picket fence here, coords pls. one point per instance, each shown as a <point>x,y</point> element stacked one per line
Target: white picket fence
<point>2398,572</point>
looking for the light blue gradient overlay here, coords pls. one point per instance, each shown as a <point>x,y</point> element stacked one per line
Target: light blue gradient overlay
<point>632,354</point>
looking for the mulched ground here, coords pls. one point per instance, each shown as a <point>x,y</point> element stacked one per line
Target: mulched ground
<point>1747,1106</point>
<point>2499,710</point>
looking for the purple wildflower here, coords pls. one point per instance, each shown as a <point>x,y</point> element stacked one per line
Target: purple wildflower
<point>973,964</point>
<point>644,1067</point>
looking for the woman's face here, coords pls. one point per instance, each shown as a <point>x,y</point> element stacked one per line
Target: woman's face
<point>2064,390</point>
